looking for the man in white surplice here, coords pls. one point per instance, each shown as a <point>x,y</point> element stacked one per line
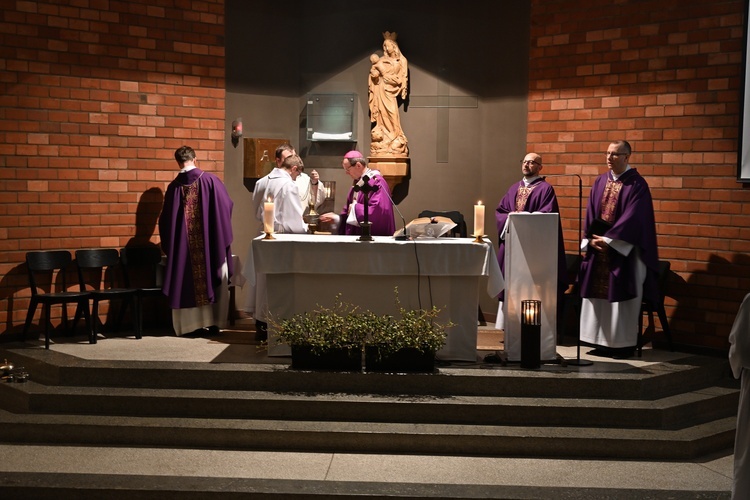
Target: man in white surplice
<point>279,187</point>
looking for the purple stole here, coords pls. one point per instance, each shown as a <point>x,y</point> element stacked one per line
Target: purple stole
<point>600,283</point>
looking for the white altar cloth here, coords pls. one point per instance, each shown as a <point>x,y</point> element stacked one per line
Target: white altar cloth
<point>303,271</point>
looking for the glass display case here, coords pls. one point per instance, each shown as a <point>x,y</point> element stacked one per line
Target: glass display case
<point>331,117</point>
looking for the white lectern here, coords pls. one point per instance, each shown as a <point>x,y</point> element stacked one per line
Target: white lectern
<point>531,246</point>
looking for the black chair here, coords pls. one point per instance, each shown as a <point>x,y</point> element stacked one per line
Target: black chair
<point>457,217</point>
<point>139,269</point>
<point>648,307</point>
<point>100,265</point>
<point>50,264</point>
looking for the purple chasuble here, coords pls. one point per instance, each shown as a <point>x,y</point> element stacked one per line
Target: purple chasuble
<point>380,212</point>
<point>195,226</point>
<point>540,199</point>
<point>634,223</point>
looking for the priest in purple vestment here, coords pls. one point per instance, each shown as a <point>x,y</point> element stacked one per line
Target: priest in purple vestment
<point>532,194</point>
<point>621,262</point>
<point>379,205</point>
<point>196,235</point>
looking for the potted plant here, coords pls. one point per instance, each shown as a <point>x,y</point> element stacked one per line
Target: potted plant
<point>328,338</point>
<point>407,342</point>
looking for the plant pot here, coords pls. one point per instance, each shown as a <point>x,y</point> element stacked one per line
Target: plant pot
<point>336,359</point>
<point>407,360</point>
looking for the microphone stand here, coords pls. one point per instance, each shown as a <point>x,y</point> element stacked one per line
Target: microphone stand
<point>578,361</point>
<point>405,236</point>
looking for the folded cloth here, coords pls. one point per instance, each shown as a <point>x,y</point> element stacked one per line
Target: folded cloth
<point>323,136</point>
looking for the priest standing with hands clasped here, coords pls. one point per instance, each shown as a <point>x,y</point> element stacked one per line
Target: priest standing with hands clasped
<point>621,262</point>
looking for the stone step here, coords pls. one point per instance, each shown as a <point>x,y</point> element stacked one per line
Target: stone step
<point>368,437</point>
<point>649,382</point>
<point>670,412</point>
<point>51,486</point>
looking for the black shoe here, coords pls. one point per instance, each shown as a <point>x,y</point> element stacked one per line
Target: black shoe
<point>623,353</point>
<point>599,352</point>
<point>261,331</point>
<point>493,358</point>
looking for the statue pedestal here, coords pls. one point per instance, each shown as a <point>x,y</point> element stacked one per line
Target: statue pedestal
<point>393,169</point>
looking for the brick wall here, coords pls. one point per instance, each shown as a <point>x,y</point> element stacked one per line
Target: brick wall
<point>666,76</point>
<point>95,96</point>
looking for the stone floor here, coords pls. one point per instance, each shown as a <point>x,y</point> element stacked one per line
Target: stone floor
<point>707,477</point>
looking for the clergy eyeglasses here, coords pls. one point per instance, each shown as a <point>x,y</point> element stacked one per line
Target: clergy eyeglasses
<point>524,162</point>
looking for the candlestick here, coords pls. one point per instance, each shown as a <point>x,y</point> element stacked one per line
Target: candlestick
<point>268,217</point>
<point>478,220</point>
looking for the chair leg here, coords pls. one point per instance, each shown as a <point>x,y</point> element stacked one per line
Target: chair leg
<point>665,326</point>
<point>64,314</point>
<point>47,308</point>
<point>94,317</point>
<point>137,317</point>
<point>84,305</point>
<point>76,317</point>
<point>29,318</point>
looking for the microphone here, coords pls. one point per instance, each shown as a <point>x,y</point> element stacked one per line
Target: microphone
<point>403,237</point>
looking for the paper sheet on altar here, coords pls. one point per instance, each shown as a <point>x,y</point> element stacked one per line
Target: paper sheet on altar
<point>427,227</point>
<point>531,274</point>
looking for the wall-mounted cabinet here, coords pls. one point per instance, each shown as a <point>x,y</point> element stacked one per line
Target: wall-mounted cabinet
<point>331,117</point>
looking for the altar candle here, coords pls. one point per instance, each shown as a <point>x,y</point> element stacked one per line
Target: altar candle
<point>268,216</point>
<point>479,219</point>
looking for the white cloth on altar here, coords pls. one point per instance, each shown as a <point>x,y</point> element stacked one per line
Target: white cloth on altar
<point>188,320</point>
<point>531,257</point>
<point>302,271</point>
<point>613,324</point>
<point>739,360</point>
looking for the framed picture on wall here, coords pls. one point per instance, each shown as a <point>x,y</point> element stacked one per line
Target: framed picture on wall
<point>743,158</point>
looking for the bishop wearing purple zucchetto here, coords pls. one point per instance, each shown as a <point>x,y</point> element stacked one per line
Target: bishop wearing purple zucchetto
<point>379,206</point>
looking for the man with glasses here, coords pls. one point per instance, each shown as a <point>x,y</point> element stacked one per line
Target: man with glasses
<point>379,206</point>
<point>531,194</point>
<point>621,261</point>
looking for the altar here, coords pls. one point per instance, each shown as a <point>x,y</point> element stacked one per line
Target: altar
<point>303,271</point>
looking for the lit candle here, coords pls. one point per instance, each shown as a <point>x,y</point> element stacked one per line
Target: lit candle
<point>529,316</point>
<point>268,216</point>
<point>479,219</point>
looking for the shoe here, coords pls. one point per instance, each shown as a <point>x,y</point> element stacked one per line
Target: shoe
<point>623,353</point>
<point>261,331</point>
<point>493,358</point>
<point>599,352</point>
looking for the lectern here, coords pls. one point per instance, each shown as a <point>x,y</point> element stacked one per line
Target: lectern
<point>531,274</point>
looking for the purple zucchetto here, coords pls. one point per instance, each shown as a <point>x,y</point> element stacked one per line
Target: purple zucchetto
<point>353,154</point>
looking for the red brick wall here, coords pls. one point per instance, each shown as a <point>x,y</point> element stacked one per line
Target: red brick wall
<point>666,76</point>
<point>95,96</point>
